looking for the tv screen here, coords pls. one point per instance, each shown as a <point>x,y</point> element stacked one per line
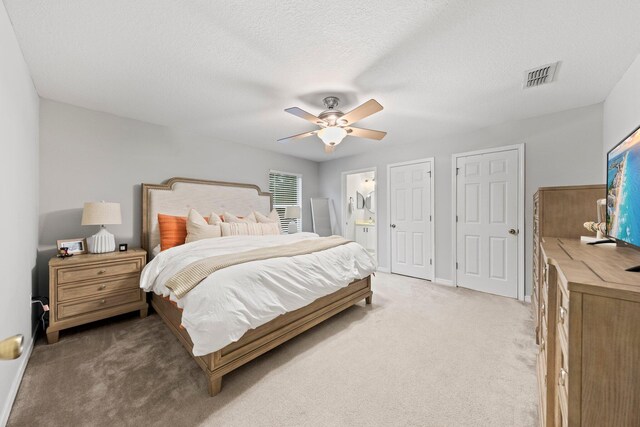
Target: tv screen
<point>623,190</point>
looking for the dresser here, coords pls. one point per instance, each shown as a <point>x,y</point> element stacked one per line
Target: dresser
<point>89,287</point>
<point>559,212</point>
<point>589,370</point>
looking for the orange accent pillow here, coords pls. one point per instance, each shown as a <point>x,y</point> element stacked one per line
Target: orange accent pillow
<point>173,231</point>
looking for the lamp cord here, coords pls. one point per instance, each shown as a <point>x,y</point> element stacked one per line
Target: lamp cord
<point>45,310</point>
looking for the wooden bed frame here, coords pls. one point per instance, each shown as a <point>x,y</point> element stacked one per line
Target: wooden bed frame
<point>256,341</point>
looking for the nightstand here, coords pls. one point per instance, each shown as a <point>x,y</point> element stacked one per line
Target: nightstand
<point>86,288</point>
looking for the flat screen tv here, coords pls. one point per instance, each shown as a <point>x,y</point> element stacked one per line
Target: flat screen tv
<point>623,190</point>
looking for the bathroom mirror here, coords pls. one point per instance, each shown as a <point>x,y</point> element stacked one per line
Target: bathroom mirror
<point>360,202</point>
<point>370,202</point>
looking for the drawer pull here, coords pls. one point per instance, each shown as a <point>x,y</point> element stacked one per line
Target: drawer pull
<point>103,286</point>
<point>562,378</point>
<point>102,301</point>
<point>102,271</point>
<point>563,314</point>
<point>542,309</point>
<point>542,345</point>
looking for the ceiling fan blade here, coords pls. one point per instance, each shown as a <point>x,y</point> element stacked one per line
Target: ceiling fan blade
<point>298,136</point>
<point>307,116</point>
<point>365,133</point>
<point>365,110</point>
<point>329,148</point>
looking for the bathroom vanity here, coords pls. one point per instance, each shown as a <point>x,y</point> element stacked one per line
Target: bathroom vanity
<point>366,236</point>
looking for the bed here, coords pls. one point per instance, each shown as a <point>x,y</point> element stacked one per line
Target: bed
<point>337,289</point>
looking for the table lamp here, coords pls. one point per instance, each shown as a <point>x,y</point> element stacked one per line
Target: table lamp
<point>293,213</point>
<point>101,213</point>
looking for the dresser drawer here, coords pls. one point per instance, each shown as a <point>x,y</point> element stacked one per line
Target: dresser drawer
<point>535,312</point>
<point>66,310</point>
<point>77,274</point>
<point>562,378</point>
<point>542,389</point>
<point>543,309</point>
<point>544,340</point>
<point>563,310</point>
<point>563,397</point>
<point>97,289</point>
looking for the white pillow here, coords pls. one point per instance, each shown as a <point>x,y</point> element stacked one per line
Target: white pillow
<point>248,229</point>
<point>156,250</point>
<point>215,219</point>
<point>233,218</point>
<point>272,217</point>
<point>198,228</point>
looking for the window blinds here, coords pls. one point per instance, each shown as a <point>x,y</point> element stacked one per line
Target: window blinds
<point>286,190</point>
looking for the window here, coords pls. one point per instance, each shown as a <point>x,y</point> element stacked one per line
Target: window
<point>286,189</point>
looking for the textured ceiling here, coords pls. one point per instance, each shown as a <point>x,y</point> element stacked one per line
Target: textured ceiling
<point>228,69</point>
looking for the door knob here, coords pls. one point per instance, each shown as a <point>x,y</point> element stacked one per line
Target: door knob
<point>11,348</point>
<point>513,231</point>
<point>393,226</point>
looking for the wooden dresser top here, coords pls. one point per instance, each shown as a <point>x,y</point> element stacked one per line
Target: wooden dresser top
<point>596,269</point>
<point>90,258</point>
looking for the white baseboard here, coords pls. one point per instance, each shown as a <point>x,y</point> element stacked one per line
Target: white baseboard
<point>13,391</point>
<point>443,281</point>
<point>527,298</point>
<point>383,270</point>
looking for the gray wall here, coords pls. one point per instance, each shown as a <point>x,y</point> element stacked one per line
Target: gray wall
<point>19,195</point>
<point>622,107</point>
<point>561,149</point>
<point>86,155</point>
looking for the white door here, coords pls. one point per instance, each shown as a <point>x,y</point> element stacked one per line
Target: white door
<point>487,222</point>
<point>411,216</point>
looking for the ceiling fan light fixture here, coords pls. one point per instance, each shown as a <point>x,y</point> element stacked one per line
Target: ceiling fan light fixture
<point>336,125</point>
<point>332,135</point>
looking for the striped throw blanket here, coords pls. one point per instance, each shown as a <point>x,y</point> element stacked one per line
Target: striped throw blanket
<point>197,271</point>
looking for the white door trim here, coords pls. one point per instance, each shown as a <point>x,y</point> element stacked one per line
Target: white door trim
<point>521,198</point>
<point>343,206</point>
<point>432,203</point>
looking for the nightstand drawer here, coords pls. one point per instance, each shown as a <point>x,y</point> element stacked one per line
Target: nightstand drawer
<point>90,287</point>
<point>66,310</point>
<point>76,274</point>
<point>97,289</point>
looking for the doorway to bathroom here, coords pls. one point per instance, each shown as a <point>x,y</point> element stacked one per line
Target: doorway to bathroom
<point>359,208</point>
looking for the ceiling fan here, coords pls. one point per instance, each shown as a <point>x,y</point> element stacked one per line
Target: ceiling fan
<point>336,125</point>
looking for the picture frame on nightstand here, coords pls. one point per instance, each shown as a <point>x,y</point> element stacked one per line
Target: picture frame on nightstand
<point>74,246</point>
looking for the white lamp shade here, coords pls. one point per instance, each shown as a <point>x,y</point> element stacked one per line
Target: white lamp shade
<point>292,212</point>
<point>332,135</point>
<point>101,213</point>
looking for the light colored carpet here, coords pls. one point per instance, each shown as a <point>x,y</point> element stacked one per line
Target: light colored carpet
<point>421,355</point>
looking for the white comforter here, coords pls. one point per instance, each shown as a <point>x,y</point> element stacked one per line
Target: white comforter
<point>233,300</point>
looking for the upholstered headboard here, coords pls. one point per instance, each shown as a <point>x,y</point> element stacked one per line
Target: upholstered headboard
<point>178,195</point>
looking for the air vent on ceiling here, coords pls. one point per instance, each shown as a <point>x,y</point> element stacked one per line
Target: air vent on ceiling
<point>540,76</point>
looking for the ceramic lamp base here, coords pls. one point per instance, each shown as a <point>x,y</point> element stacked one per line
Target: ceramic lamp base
<point>293,227</point>
<point>101,242</point>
